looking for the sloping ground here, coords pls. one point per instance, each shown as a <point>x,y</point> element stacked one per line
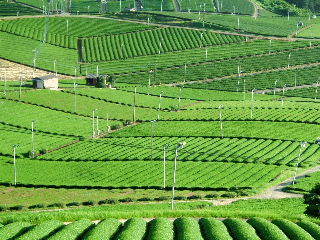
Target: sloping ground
<point>13,71</point>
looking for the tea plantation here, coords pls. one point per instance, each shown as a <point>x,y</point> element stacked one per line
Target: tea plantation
<point>174,119</point>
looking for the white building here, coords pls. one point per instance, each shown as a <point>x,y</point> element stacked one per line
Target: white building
<point>46,82</point>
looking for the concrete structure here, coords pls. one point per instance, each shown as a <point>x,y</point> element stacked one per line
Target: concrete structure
<point>46,82</point>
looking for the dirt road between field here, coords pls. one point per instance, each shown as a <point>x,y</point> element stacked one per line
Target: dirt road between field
<point>246,74</point>
<point>274,192</point>
<point>286,88</point>
<point>256,9</point>
<point>176,5</point>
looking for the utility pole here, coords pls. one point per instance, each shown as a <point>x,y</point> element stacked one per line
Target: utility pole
<point>32,139</point>
<point>14,163</point>
<point>165,147</point>
<point>302,145</point>
<point>93,125</point>
<point>221,107</point>
<point>152,135</point>
<point>159,107</point>
<point>134,105</point>
<point>179,146</point>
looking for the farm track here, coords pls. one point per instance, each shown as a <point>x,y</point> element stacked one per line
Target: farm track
<point>176,5</point>
<point>295,33</point>
<point>256,9</point>
<point>247,74</point>
<point>287,88</point>
<point>253,36</point>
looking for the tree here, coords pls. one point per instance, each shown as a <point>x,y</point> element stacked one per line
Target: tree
<point>313,200</point>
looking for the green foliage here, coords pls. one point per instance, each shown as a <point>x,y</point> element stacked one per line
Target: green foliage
<point>306,184</point>
<point>266,230</point>
<point>313,199</point>
<point>106,229</point>
<point>42,230</point>
<point>233,128</point>
<point>192,56</point>
<point>72,231</point>
<point>214,229</point>
<point>310,227</point>
<point>282,7</point>
<point>9,8</point>
<point>275,152</point>
<point>240,229</point>
<point>160,229</point>
<point>134,229</point>
<point>312,5</point>
<point>23,50</point>
<point>227,6</point>
<point>14,230</point>
<point>114,174</point>
<point>187,229</point>
<point>228,67</point>
<point>293,231</point>
<point>150,42</point>
<point>265,25</point>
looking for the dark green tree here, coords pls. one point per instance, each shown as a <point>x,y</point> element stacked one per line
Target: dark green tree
<point>313,200</point>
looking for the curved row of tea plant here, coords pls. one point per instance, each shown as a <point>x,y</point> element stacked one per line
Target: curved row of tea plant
<point>164,229</point>
<point>139,174</point>
<point>150,42</point>
<point>242,150</point>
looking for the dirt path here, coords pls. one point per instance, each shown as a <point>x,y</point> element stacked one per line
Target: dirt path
<point>274,192</point>
<point>295,33</point>
<point>246,74</point>
<point>176,5</point>
<point>287,88</point>
<point>256,9</point>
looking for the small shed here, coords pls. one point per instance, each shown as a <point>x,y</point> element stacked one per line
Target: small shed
<point>91,79</point>
<point>46,82</point>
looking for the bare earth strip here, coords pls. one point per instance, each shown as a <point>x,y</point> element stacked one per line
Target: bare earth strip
<point>247,74</point>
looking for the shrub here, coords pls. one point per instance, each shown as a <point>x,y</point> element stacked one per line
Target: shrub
<point>88,203</point>
<point>73,204</point>
<point>162,198</point>
<point>57,205</point>
<point>145,199</point>
<point>115,127</point>
<point>313,200</point>
<point>195,197</point>
<point>267,229</point>
<point>214,229</point>
<point>229,195</point>
<point>311,228</point>
<point>101,202</point>
<point>112,201</point>
<point>43,151</point>
<point>3,208</point>
<point>101,81</point>
<point>106,229</point>
<point>134,229</point>
<point>39,205</point>
<point>160,229</point>
<point>213,195</point>
<point>241,229</point>
<point>128,199</point>
<point>187,228</point>
<point>292,230</point>
<point>180,198</point>
<point>16,208</point>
